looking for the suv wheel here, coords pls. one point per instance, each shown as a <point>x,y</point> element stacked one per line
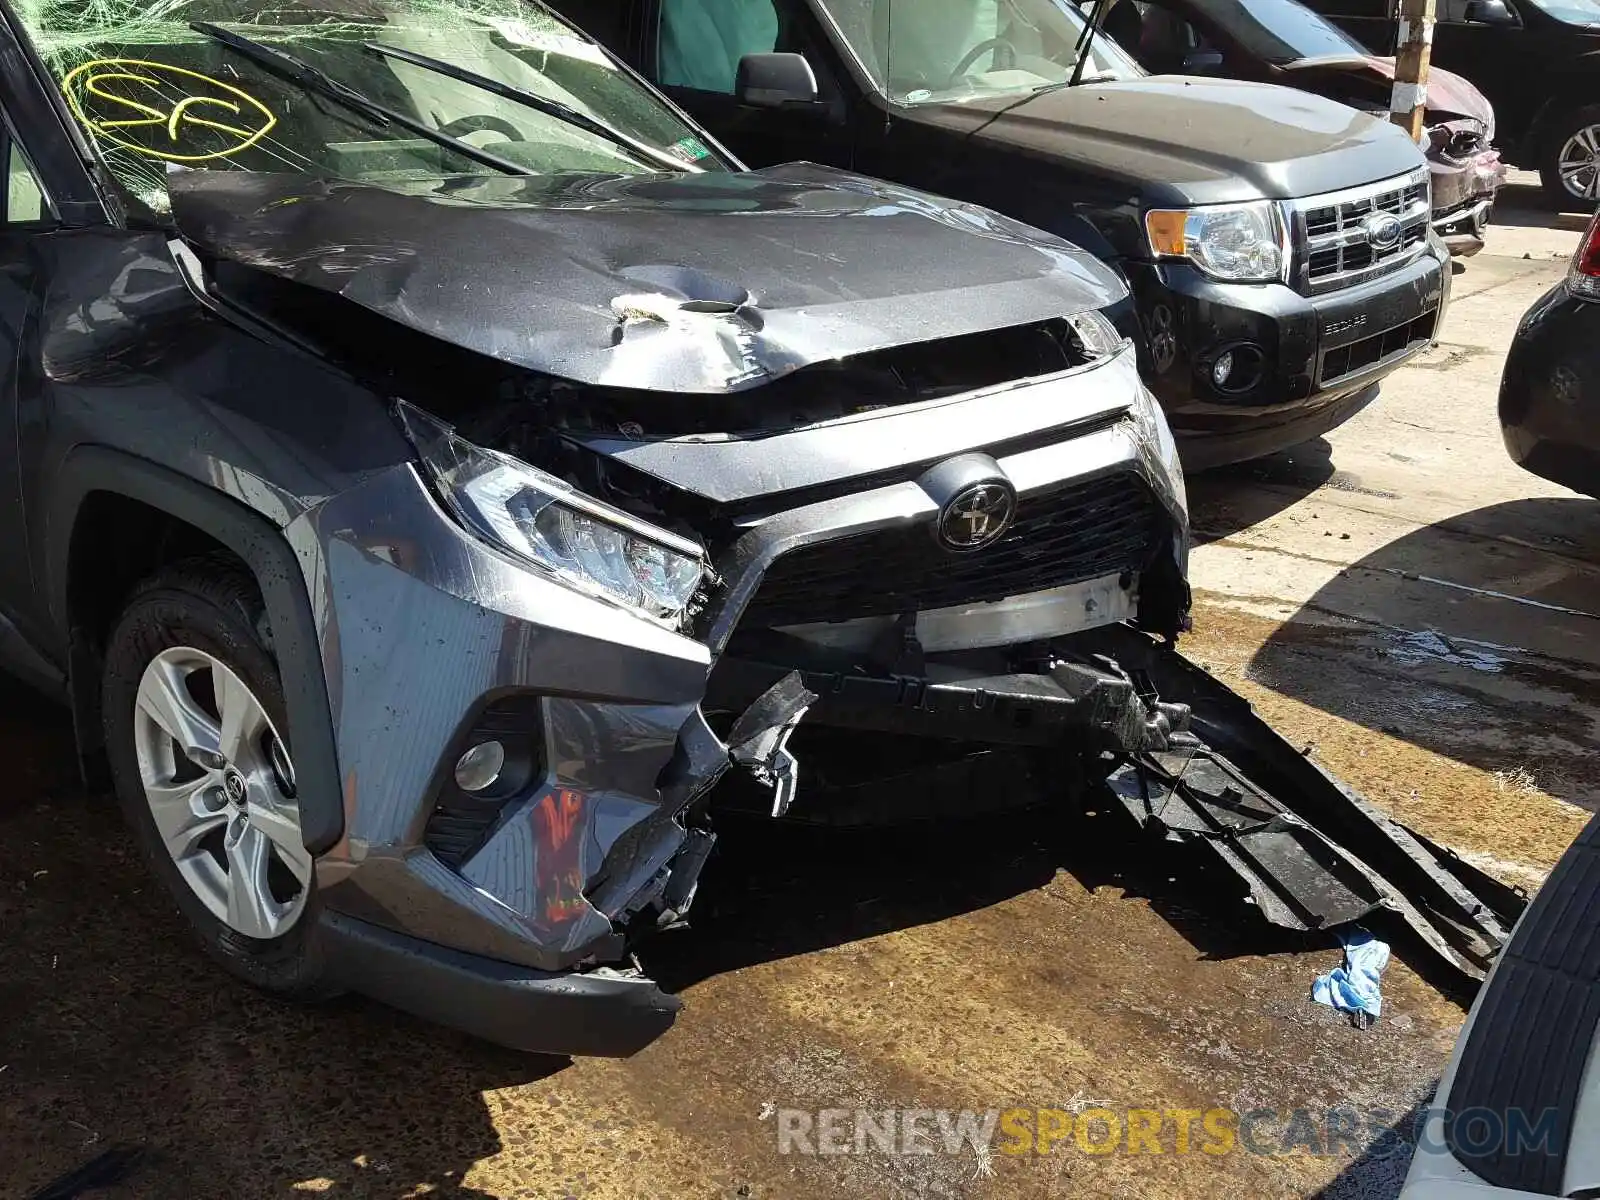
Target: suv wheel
<point>1571,167</point>
<point>194,720</point>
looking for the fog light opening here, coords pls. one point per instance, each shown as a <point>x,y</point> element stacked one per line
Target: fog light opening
<point>479,768</point>
<point>1237,369</point>
<point>1222,369</point>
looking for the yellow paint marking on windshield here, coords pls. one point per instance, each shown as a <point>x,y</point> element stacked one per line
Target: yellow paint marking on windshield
<point>106,112</point>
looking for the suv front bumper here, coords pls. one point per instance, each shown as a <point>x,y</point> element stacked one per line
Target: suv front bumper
<point>1319,359</point>
<point>425,632</point>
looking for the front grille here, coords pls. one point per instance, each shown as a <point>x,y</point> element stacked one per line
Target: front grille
<point>1331,231</point>
<point>1359,355</point>
<point>1085,530</point>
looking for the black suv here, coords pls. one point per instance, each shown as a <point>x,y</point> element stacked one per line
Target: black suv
<point>1538,62</point>
<point>1277,243</point>
<point>428,464</point>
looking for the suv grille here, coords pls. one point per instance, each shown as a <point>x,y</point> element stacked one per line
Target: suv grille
<point>1085,530</point>
<point>1335,244</point>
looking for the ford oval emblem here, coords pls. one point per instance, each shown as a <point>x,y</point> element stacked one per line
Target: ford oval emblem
<point>977,516</point>
<point>1383,230</point>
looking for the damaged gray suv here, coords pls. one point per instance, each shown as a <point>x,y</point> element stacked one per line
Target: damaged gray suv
<point>438,477</point>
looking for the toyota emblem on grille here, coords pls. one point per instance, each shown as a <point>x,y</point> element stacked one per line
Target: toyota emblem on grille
<point>1383,230</point>
<point>977,515</point>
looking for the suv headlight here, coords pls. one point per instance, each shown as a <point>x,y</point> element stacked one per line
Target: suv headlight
<point>1239,243</point>
<point>547,523</point>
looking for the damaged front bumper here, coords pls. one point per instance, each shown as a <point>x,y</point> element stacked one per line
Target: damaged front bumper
<point>432,642</point>
<point>513,912</point>
<point>1466,175</point>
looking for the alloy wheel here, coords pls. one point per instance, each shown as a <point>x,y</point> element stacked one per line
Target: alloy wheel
<point>221,791</point>
<point>1579,164</point>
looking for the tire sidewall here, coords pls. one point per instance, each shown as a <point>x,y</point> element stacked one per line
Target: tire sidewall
<point>159,619</point>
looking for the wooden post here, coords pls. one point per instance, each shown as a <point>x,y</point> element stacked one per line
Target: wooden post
<point>1408,102</point>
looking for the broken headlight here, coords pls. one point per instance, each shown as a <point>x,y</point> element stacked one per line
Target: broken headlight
<point>544,521</point>
<point>1239,243</point>
<point>1158,437</point>
<point>1093,335</point>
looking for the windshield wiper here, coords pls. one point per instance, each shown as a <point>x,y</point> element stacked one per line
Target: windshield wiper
<point>1097,77</point>
<point>550,108</point>
<point>313,79</point>
<point>1087,40</point>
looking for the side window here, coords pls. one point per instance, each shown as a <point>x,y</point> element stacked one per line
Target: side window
<point>25,202</point>
<point>1160,39</point>
<point>702,41</point>
<point>1452,12</point>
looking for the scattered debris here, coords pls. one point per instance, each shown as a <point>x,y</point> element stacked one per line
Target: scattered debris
<point>759,739</point>
<point>985,1162</point>
<point>1518,780</point>
<point>1353,987</point>
<point>1080,1103</point>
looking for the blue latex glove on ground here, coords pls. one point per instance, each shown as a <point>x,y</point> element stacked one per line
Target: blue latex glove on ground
<point>1353,988</point>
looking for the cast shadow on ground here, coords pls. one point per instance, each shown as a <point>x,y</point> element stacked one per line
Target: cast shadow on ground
<point>1525,206</point>
<point>121,1033</point>
<point>1380,1172</point>
<point>1476,638</point>
<point>775,891</point>
<point>1225,500</point>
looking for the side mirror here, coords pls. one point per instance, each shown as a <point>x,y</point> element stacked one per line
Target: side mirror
<point>1489,12</point>
<point>775,81</point>
<point>1202,62</point>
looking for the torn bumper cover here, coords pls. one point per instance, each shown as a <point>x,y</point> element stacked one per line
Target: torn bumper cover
<point>1194,764</point>
<point>1312,852</point>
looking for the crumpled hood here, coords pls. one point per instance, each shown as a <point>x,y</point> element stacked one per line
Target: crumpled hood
<point>692,283</point>
<point>1193,140</point>
<point>1449,94</point>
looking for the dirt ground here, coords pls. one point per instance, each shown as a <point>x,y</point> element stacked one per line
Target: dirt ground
<point>1398,595</point>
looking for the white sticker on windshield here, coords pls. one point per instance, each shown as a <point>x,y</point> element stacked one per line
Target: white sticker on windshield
<point>520,33</point>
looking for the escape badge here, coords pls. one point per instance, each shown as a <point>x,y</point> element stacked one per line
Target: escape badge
<point>165,112</point>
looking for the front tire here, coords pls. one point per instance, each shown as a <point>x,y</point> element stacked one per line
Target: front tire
<point>1569,166</point>
<point>195,726</point>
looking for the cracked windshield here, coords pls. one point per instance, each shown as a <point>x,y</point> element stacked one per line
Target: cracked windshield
<point>349,89</point>
<point>921,51</point>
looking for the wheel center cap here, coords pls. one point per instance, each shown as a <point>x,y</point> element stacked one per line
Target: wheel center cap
<point>233,785</point>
